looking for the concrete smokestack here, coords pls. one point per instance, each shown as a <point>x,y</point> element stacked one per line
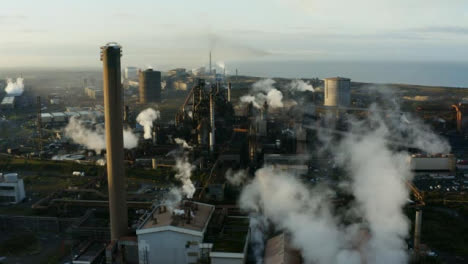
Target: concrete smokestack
<point>229,92</point>
<point>210,62</point>
<point>212,122</point>
<point>110,56</point>
<point>417,232</point>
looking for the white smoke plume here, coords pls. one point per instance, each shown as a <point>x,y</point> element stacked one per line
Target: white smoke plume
<point>378,185</point>
<point>146,118</point>
<point>15,87</point>
<point>236,178</point>
<point>221,64</point>
<point>183,173</point>
<point>292,207</point>
<point>101,162</point>
<point>182,143</point>
<point>183,170</point>
<point>263,91</point>
<point>95,138</point>
<point>300,86</point>
<point>376,226</point>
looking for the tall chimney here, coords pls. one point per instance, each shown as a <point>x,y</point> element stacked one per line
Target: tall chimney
<point>229,92</point>
<point>110,56</point>
<point>212,122</point>
<point>39,123</point>
<point>417,232</point>
<point>210,62</point>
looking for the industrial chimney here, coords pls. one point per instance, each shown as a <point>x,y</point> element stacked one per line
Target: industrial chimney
<point>110,56</point>
<point>210,63</point>
<point>212,122</point>
<point>229,92</point>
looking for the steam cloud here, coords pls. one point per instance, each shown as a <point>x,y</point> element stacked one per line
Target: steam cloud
<point>182,143</point>
<point>15,87</point>
<point>95,138</point>
<point>221,64</point>
<point>301,86</point>
<point>183,173</point>
<point>146,119</point>
<point>376,226</point>
<point>263,91</point>
<point>236,178</point>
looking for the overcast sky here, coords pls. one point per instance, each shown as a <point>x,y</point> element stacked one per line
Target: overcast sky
<point>180,33</point>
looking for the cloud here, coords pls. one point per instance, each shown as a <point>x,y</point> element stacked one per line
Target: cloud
<point>457,30</point>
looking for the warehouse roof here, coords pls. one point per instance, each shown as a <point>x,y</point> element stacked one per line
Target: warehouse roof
<point>188,215</point>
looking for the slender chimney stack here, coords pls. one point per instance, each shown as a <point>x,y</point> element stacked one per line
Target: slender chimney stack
<point>210,62</point>
<point>417,232</point>
<point>212,122</point>
<point>229,92</point>
<point>110,56</point>
<point>39,123</point>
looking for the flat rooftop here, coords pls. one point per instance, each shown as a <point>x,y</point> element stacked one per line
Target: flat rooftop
<point>178,217</point>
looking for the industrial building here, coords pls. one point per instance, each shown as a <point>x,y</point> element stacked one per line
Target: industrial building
<point>178,72</point>
<point>192,232</point>
<point>11,188</point>
<point>131,72</point>
<point>297,164</point>
<point>94,92</point>
<point>60,118</point>
<point>337,92</point>
<point>8,102</point>
<point>437,163</point>
<point>150,86</point>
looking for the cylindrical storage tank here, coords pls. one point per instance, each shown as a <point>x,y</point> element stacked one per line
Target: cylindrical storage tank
<point>150,86</point>
<point>337,92</point>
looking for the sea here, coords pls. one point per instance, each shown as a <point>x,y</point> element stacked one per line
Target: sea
<point>446,74</point>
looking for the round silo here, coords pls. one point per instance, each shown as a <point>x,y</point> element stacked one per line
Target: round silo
<point>337,92</point>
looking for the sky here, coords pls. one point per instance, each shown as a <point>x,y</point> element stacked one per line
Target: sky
<point>68,33</point>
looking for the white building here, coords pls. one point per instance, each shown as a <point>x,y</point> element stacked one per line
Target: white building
<point>11,188</point>
<point>166,237</point>
<point>180,236</point>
